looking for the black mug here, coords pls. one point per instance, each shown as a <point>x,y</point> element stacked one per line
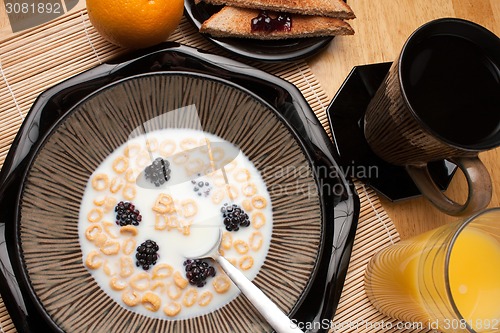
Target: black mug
<point>441,100</point>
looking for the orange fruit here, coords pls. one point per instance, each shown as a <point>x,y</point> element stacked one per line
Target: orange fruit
<point>135,23</point>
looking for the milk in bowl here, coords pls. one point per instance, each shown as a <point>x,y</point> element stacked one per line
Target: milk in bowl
<point>161,197</point>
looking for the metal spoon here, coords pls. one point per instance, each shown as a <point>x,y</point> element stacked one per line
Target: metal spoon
<point>267,308</point>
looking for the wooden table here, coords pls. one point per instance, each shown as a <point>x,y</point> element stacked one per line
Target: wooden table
<point>381,28</point>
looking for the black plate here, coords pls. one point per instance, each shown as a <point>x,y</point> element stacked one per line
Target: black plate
<point>340,207</point>
<point>262,50</point>
<point>356,159</point>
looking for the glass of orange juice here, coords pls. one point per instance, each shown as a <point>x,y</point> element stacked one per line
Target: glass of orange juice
<point>447,279</point>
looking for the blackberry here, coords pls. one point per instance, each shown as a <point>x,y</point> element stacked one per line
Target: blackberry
<point>234,217</point>
<point>198,271</point>
<point>158,172</point>
<point>147,254</point>
<point>127,214</point>
<point>202,188</point>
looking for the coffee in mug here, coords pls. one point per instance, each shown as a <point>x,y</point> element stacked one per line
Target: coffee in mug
<point>441,100</point>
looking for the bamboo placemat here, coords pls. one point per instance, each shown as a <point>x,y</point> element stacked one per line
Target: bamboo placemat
<point>41,57</point>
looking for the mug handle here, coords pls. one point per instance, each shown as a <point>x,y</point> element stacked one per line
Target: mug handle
<point>478,182</point>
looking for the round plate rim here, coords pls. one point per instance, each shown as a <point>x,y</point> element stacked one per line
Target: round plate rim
<point>232,46</point>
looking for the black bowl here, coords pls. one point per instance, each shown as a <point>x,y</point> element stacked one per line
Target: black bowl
<point>26,287</point>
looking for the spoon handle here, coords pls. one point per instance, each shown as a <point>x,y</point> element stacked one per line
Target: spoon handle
<point>270,311</point>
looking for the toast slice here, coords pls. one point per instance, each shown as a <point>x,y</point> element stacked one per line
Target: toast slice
<point>236,22</point>
<point>331,8</point>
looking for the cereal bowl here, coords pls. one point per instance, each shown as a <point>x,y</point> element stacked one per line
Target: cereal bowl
<point>80,268</point>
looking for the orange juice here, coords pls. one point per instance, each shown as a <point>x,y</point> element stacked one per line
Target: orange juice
<point>447,278</point>
<point>391,281</point>
<point>474,274</point>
